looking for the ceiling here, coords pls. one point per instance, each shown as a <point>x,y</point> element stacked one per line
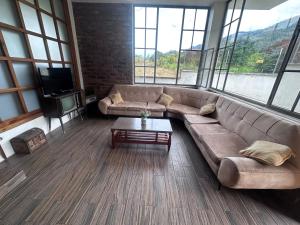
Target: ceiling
<point>251,4</point>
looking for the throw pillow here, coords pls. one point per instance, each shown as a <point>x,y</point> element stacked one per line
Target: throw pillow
<point>207,109</point>
<point>165,99</point>
<point>268,152</point>
<point>116,98</point>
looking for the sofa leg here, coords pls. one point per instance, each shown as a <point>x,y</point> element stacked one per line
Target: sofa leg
<point>219,186</point>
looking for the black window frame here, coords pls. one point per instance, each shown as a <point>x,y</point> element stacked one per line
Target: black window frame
<point>180,44</point>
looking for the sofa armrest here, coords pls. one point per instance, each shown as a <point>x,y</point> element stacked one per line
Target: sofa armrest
<point>104,104</point>
<point>246,173</point>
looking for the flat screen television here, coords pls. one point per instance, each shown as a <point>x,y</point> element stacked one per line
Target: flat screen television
<point>56,81</point>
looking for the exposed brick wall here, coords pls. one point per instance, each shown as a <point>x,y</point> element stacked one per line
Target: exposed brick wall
<point>104,33</point>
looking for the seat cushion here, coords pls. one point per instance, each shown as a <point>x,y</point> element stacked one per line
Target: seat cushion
<point>130,106</point>
<point>183,109</point>
<point>204,129</point>
<point>155,107</point>
<point>197,119</point>
<point>221,145</point>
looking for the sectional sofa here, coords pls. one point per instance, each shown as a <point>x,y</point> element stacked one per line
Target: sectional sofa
<point>232,127</point>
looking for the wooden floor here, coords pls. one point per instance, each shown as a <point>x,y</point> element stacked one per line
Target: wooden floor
<point>78,179</point>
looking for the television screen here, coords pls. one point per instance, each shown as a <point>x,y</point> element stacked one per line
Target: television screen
<point>56,80</point>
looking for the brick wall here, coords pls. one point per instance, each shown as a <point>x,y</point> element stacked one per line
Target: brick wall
<point>104,33</point>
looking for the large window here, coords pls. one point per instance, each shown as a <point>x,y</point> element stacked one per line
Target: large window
<point>33,34</point>
<point>252,53</point>
<point>168,44</point>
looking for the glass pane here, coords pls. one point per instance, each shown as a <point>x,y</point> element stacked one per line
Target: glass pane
<point>15,44</point>
<point>232,33</point>
<point>189,19</point>
<point>12,106</point>
<point>8,13</point>
<point>287,91</point>
<point>205,78</point>
<point>224,36</point>
<point>252,86</point>
<point>49,27</point>
<point>150,38</point>
<point>221,80</point>
<point>237,9</point>
<point>198,40</point>
<point>54,50</point>
<point>150,57</point>
<point>139,57</point>
<point>24,73</point>
<point>41,66</point>
<point>149,73</point>
<point>37,47</point>
<point>59,10</point>
<point>297,109</point>
<point>139,74</point>
<point>151,17</point>
<point>66,52</point>
<point>229,12</point>
<point>30,18</point>
<point>62,29</point>
<point>201,18</point>
<point>45,4</point>
<point>168,48</point>
<point>139,38</point>
<point>227,53</point>
<point>215,79</point>
<point>31,100</point>
<point>294,63</point>
<point>5,79</point>
<point>57,65</point>
<point>188,70</point>
<point>139,15</point>
<point>220,58</point>
<point>208,60</point>
<point>187,37</point>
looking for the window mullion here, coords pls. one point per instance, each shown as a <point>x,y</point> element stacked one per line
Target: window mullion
<point>156,38</point>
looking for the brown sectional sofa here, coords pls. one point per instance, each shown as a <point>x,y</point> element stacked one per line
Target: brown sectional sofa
<point>220,137</point>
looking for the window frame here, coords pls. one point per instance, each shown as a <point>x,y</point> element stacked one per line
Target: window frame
<point>282,70</point>
<point>180,44</point>
<point>25,115</point>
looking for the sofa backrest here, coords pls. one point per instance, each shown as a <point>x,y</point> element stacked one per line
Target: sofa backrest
<point>139,93</point>
<point>252,124</point>
<point>191,97</point>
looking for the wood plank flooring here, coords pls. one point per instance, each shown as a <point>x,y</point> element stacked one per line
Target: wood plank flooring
<point>78,179</point>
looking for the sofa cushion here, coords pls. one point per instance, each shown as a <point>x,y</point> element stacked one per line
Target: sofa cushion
<point>221,145</point>
<point>204,129</point>
<point>165,100</point>
<point>207,109</point>
<point>183,109</point>
<point>192,119</point>
<point>138,93</point>
<point>130,106</point>
<point>116,98</point>
<point>155,107</point>
<point>268,152</point>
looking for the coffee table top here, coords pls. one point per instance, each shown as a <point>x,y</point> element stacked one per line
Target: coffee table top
<point>134,124</point>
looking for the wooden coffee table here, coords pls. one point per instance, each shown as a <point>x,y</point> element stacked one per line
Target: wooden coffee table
<point>130,130</point>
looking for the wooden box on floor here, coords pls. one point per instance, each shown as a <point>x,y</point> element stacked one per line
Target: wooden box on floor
<point>28,141</point>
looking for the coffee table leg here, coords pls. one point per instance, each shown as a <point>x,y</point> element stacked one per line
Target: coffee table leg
<point>169,141</point>
<point>113,138</point>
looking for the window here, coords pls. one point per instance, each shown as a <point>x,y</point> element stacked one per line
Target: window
<point>168,44</point>
<point>33,34</point>
<point>258,57</point>
<point>205,68</point>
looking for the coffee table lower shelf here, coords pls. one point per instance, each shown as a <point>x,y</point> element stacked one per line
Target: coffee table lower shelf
<point>141,137</point>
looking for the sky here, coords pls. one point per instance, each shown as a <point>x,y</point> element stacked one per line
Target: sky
<point>170,24</point>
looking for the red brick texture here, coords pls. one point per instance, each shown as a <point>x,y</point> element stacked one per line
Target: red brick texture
<point>104,33</point>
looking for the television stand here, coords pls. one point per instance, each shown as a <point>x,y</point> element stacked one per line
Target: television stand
<point>60,105</point>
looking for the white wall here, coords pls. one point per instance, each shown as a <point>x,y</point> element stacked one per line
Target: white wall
<point>40,122</point>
